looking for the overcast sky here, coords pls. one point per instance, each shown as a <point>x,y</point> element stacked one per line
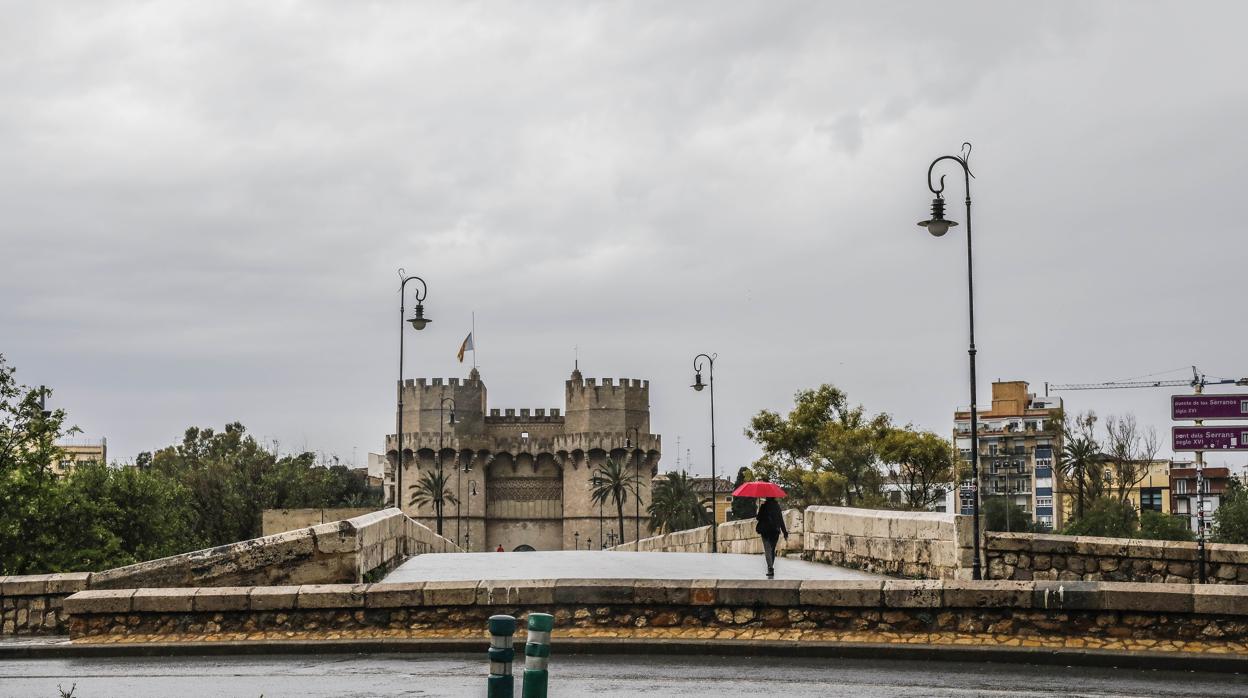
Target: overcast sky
<point>203,206</point>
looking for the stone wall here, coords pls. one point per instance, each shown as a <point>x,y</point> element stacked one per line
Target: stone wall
<point>1026,556</point>
<point>33,604</point>
<point>733,537</point>
<point>274,521</point>
<point>898,543</point>
<point>1083,615</point>
<point>338,552</point>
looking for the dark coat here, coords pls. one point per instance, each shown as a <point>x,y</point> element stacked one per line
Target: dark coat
<point>770,520</point>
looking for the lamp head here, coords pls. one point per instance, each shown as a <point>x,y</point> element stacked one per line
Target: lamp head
<point>938,225</point>
<point>697,382</point>
<point>419,321</point>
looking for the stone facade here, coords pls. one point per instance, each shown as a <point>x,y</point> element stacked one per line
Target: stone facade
<point>1026,556</point>
<point>522,477</point>
<point>1083,615</point>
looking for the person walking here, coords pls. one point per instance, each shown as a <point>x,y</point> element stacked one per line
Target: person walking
<point>770,525</point>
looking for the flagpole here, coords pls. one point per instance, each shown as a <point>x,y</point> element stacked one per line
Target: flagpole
<point>474,339</point>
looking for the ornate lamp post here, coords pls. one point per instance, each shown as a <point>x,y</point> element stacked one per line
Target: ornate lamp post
<point>636,444</point>
<point>938,225</point>
<point>442,504</point>
<point>418,321</point>
<point>698,385</point>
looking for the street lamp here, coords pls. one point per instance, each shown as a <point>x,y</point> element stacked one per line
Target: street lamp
<point>472,492</point>
<point>636,445</point>
<point>938,225</point>
<point>419,322</point>
<point>698,385</point>
<point>441,481</point>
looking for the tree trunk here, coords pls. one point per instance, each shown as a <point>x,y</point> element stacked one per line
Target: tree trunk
<point>619,511</point>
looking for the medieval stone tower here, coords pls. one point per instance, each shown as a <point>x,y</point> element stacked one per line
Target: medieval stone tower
<point>523,477</point>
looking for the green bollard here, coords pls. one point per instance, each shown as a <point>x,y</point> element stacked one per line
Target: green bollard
<point>537,655</point>
<point>501,684</point>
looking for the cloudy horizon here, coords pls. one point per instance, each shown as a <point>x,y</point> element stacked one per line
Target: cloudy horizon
<point>205,206</point>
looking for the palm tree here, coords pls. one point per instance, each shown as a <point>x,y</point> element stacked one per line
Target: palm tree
<point>1080,463</point>
<point>432,488</point>
<point>612,482</point>
<point>676,506</point>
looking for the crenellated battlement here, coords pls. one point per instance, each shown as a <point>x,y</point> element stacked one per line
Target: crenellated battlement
<point>626,383</point>
<point>423,383</point>
<point>525,415</point>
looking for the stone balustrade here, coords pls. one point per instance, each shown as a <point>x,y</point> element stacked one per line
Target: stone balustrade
<point>915,544</point>
<point>1027,556</point>
<point>1085,615</point>
<point>338,552</point>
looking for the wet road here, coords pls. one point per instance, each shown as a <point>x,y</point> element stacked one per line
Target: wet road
<point>594,564</point>
<point>357,676</point>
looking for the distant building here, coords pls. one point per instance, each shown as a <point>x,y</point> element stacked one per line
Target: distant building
<point>1019,440</point>
<point>1184,495</point>
<point>946,496</point>
<point>723,495</point>
<point>76,452</point>
<point>523,478</point>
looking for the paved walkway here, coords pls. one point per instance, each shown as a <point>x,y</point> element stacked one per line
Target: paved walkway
<point>353,676</point>
<point>594,564</point>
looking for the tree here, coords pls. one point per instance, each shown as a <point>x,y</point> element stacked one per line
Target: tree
<point>1003,515</point>
<point>676,506</point>
<point>611,481</point>
<point>1230,521</point>
<point>743,507</point>
<point>823,452</point>
<point>1130,450</point>
<point>1079,462</point>
<point>1155,525</point>
<point>432,488</point>
<point>1107,517</point>
<point>920,465</point>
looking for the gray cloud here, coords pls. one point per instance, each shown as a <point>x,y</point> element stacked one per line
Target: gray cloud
<point>204,204</point>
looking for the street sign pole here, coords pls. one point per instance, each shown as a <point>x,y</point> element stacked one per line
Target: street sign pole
<point>1200,498</point>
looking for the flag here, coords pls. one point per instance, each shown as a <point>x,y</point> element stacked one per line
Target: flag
<point>466,346</point>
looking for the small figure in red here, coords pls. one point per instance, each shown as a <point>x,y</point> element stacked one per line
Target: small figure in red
<point>500,548</point>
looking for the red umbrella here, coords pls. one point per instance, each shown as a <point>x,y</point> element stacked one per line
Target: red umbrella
<point>758,488</point>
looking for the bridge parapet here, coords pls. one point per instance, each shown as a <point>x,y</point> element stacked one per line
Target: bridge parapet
<point>953,614</point>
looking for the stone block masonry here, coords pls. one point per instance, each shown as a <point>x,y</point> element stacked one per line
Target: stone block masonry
<point>1026,556</point>
<point>338,552</point>
<point>1173,618</point>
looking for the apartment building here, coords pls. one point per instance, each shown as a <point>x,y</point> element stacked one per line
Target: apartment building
<point>1020,438</point>
<point>75,452</point>
<point>1184,496</point>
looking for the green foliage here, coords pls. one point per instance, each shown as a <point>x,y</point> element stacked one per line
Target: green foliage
<point>207,491</point>
<point>612,482</point>
<point>433,489</point>
<point>827,452</point>
<point>1155,525</point>
<point>1108,517</point>
<point>1002,515</point>
<point>743,507</point>
<point>1230,521</point>
<point>676,506</point>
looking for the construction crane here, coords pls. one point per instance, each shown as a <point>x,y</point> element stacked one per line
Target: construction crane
<point>1197,382</point>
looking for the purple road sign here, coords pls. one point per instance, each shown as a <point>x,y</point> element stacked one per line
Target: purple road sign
<point>1210,438</point>
<point>1209,406</point>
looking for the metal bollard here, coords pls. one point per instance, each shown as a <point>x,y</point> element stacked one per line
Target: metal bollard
<point>501,684</point>
<point>537,655</point>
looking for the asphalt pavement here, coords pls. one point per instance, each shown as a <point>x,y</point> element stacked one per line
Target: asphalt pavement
<point>371,676</point>
<point>599,564</point>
